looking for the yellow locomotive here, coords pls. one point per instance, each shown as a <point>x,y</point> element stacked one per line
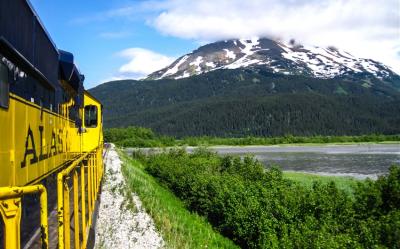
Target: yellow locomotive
<point>51,140</point>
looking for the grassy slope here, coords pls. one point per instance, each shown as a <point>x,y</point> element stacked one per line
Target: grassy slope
<point>345,183</point>
<point>179,227</point>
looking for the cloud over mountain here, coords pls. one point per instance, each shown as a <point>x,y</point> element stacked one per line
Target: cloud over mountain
<point>365,28</point>
<point>141,62</point>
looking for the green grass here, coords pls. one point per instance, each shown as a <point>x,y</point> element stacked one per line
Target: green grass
<point>306,179</point>
<point>179,227</point>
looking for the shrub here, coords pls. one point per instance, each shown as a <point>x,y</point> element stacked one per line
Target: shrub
<point>259,208</point>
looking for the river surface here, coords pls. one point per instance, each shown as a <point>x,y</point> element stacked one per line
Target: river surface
<point>358,160</point>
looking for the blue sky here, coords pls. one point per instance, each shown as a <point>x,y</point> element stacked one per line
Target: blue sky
<point>96,35</point>
<point>119,39</point>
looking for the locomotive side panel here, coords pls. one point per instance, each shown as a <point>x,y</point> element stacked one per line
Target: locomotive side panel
<point>35,142</point>
<point>6,148</point>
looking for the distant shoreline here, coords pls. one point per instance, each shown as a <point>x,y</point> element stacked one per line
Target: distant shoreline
<point>275,152</point>
<point>222,146</point>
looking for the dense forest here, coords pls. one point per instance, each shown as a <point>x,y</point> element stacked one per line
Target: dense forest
<point>241,102</point>
<point>259,208</point>
<point>145,137</point>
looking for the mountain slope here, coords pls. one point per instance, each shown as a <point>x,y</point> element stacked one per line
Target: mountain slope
<point>259,87</point>
<point>276,57</point>
<point>252,102</point>
<point>299,114</point>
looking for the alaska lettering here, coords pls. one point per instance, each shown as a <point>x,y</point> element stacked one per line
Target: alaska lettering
<point>56,146</point>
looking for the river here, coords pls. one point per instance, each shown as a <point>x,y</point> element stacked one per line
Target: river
<point>356,160</point>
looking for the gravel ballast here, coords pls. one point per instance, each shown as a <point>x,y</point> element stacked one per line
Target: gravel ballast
<point>122,221</point>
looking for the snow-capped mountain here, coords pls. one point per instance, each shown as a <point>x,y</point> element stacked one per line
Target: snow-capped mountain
<point>276,57</point>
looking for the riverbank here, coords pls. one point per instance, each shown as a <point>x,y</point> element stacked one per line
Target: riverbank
<point>390,147</point>
<point>289,141</point>
<point>352,160</point>
<point>263,208</point>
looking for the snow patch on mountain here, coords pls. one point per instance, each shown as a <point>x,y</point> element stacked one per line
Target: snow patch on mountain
<point>184,75</point>
<point>242,62</point>
<point>276,57</point>
<point>249,46</point>
<point>230,54</point>
<point>329,63</point>
<point>175,69</point>
<point>197,63</point>
<point>210,64</point>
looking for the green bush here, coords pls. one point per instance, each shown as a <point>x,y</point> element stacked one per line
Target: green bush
<point>136,137</point>
<point>259,208</point>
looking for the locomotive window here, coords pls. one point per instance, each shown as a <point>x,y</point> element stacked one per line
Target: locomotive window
<point>4,86</point>
<point>91,116</point>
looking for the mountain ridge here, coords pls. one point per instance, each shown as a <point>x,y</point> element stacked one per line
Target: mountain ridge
<point>276,57</point>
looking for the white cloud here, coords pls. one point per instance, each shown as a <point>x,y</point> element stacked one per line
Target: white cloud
<point>141,63</point>
<point>369,29</point>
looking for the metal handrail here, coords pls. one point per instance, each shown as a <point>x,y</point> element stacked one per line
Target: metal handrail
<point>94,175</point>
<point>10,209</point>
<point>11,203</point>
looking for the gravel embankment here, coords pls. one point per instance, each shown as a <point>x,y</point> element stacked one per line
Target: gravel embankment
<point>122,222</point>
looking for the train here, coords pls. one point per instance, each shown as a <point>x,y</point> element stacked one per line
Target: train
<point>51,137</point>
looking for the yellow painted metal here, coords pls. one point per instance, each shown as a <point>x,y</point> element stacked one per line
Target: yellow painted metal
<point>89,192</point>
<point>83,203</point>
<point>60,211</point>
<point>43,217</point>
<point>63,203</point>
<point>92,136</point>
<point>94,191</point>
<point>34,142</point>
<point>94,164</point>
<point>10,210</point>
<point>66,218</point>
<point>76,210</point>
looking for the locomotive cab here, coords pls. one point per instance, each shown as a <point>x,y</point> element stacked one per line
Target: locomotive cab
<point>92,131</point>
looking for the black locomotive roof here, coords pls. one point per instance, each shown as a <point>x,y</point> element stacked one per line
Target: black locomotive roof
<point>22,30</point>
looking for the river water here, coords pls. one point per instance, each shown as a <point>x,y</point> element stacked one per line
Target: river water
<point>356,160</point>
<point>359,160</point>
